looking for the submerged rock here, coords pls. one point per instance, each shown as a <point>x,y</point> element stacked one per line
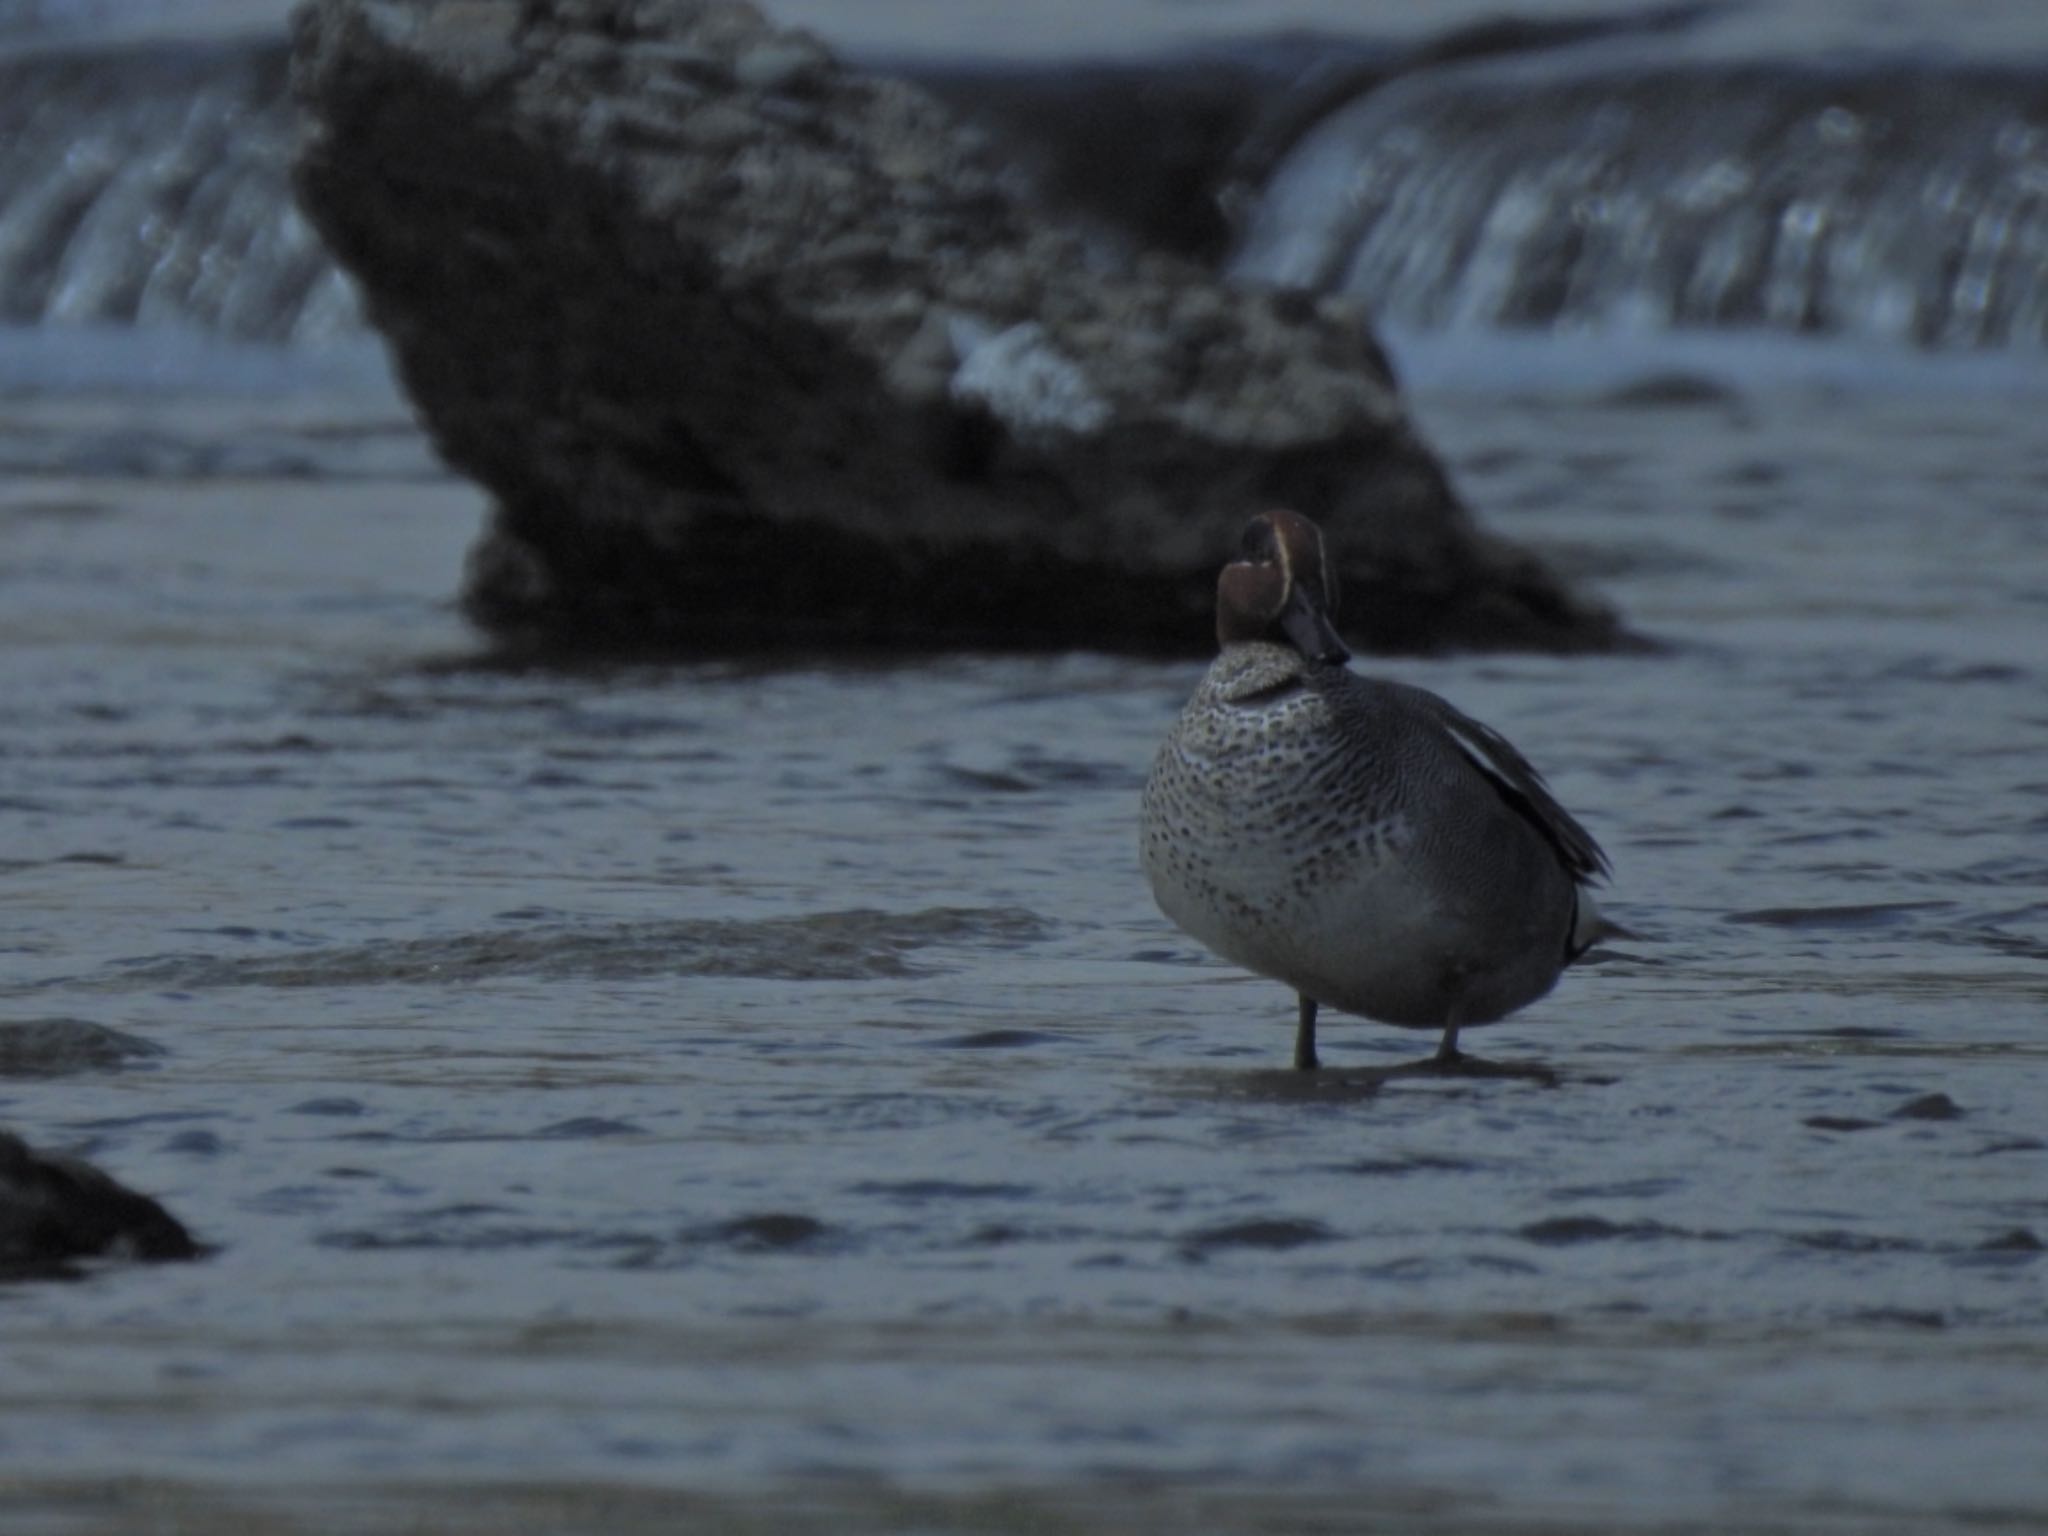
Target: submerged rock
<point>55,1047</point>
<point>754,350</point>
<point>57,1210</point>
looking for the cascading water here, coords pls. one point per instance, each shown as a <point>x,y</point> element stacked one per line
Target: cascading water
<point>1644,189</point>
<point>146,186</point>
<point>1884,204</point>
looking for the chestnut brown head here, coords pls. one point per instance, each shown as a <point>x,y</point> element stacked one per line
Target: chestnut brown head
<point>1282,588</point>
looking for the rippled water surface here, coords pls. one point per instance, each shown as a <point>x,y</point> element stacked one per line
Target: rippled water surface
<point>766,1094</point>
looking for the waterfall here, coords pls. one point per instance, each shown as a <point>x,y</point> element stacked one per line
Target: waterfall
<point>146,185</point>
<point>1882,203</point>
<point>1647,189</point>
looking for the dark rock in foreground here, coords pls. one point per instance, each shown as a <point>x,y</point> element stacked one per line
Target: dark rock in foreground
<point>753,350</point>
<point>55,1211</point>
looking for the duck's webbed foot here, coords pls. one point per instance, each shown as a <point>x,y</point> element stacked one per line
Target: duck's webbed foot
<point>1449,1061</point>
<point>1463,1065</point>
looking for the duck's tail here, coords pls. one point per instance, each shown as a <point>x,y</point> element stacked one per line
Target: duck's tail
<point>1589,926</point>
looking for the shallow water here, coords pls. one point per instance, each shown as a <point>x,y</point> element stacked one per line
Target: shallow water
<point>766,1095</point>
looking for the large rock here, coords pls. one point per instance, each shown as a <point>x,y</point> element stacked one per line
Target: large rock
<point>752,349</point>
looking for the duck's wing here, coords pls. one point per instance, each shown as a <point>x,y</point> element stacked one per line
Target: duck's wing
<point>1516,781</point>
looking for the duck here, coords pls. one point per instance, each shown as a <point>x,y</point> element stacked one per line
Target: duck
<point>1359,840</point>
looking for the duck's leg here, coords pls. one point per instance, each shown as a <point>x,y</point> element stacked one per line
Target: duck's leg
<point>1305,1059</point>
<point>1447,1053</point>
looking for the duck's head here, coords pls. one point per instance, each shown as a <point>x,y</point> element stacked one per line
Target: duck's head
<point>1281,588</point>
